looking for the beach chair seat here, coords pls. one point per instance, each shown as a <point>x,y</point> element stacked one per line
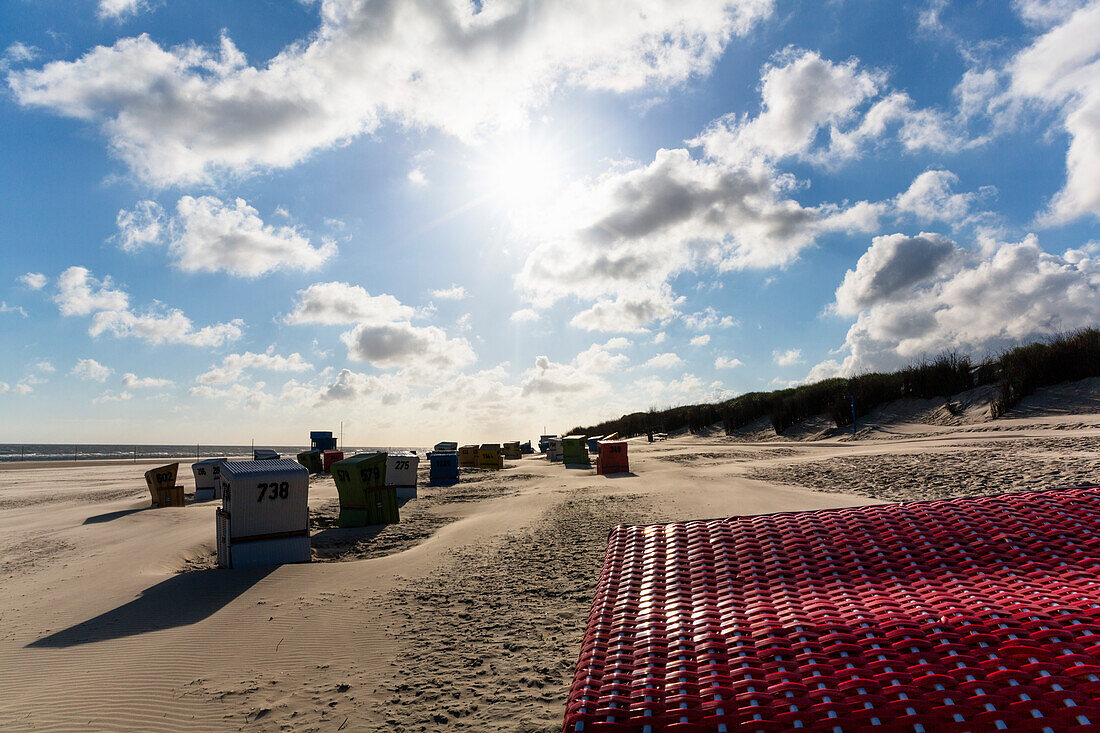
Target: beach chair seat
<point>162,485</point>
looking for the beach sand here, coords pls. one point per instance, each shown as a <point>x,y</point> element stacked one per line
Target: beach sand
<point>468,615</point>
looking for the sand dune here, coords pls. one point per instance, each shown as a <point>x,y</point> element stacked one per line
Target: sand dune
<point>467,615</point>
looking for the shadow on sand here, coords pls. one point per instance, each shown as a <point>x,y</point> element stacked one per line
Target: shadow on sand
<point>181,600</point>
<point>625,474</point>
<point>111,516</point>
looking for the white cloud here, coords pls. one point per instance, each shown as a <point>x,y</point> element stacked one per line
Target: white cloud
<point>708,318</point>
<point>34,280</point>
<point>91,370</point>
<point>180,114</point>
<point>423,352</point>
<point>133,381</point>
<point>667,360</point>
<point>549,378</point>
<point>524,315</point>
<point>628,312</point>
<point>209,235</point>
<point>465,322</point>
<point>825,112</point>
<point>724,362</point>
<point>15,54</point>
<point>892,264</point>
<point>455,292</point>
<point>996,296</point>
<point>45,367</point>
<point>787,358</point>
<point>234,365</point>
<point>119,9</point>
<point>931,198</point>
<point>1061,71</point>
<point>620,239</point>
<point>249,397</point>
<point>688,389</point>
<point>1046,13</point>
<point>5,308</point>
<point>81,294</point>
<point>141,226</point>
<point>701,340</point>
<point>340,303</point>
<point>112,397</point>
<point>598,358</point>
<point>801,94</point>
<point>417,178</point>
<point>4,387</point>
<point>170,326</point>
<point>356,387</point>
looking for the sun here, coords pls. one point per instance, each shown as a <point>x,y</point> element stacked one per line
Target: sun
<point>523,172</point>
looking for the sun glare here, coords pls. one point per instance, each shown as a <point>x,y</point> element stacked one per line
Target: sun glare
<point>523,173</point>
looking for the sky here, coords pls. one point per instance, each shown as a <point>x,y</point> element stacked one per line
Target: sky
<point>481,220</point>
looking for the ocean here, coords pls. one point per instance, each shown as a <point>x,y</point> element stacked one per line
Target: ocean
<point>100,451</point>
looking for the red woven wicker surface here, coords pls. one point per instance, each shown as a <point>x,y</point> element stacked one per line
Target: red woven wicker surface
<point>977,614</point>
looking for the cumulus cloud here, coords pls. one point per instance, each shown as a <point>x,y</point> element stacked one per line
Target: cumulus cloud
<point>524,315</point>
<point>620,239</point>
<point>120,9</point>
<point>140,226</point>
<point>708,318</point>
<point>550,378</point>
<point>80,294</point>
<point>234,365</point>
<point>825,112</point>
<point>931,197</point>
<point>112,397</point>
<point>251,397</point>
<point>340,303</point>
<point>44,366</point>
<point>628,312</point>
<point>33,280</point>
<point>169,326</point>
<point>687,389</point>
<point>1061,71</point>
<point>352,386</point>
<point>209,235</point>
<point>892,264</point>
<point>455,292</point>
<point>91,370</point>
<point>997,295</point>
<point>133,381</point>
<point>180,114</point>
<point>421,351</point>
<point>790,357</point>
<point>725,362</point>
<point>598,358</point>
<point>666,360</point>
<point>16,54</point>
<point>701,340</point>
<point>801,94</point>
<point>1046,13</point>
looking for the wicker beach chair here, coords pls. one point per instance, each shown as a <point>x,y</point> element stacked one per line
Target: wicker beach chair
<point>162,485</point>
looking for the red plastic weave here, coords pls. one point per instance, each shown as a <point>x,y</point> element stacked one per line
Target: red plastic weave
<point>977,614</point>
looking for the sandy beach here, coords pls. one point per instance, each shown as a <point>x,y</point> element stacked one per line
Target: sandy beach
<point>467,615</point>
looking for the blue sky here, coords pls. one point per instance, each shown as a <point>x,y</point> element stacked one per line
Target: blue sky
<point>453,220</point>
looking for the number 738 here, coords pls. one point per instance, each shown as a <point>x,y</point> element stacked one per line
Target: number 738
<point>273,490</point>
